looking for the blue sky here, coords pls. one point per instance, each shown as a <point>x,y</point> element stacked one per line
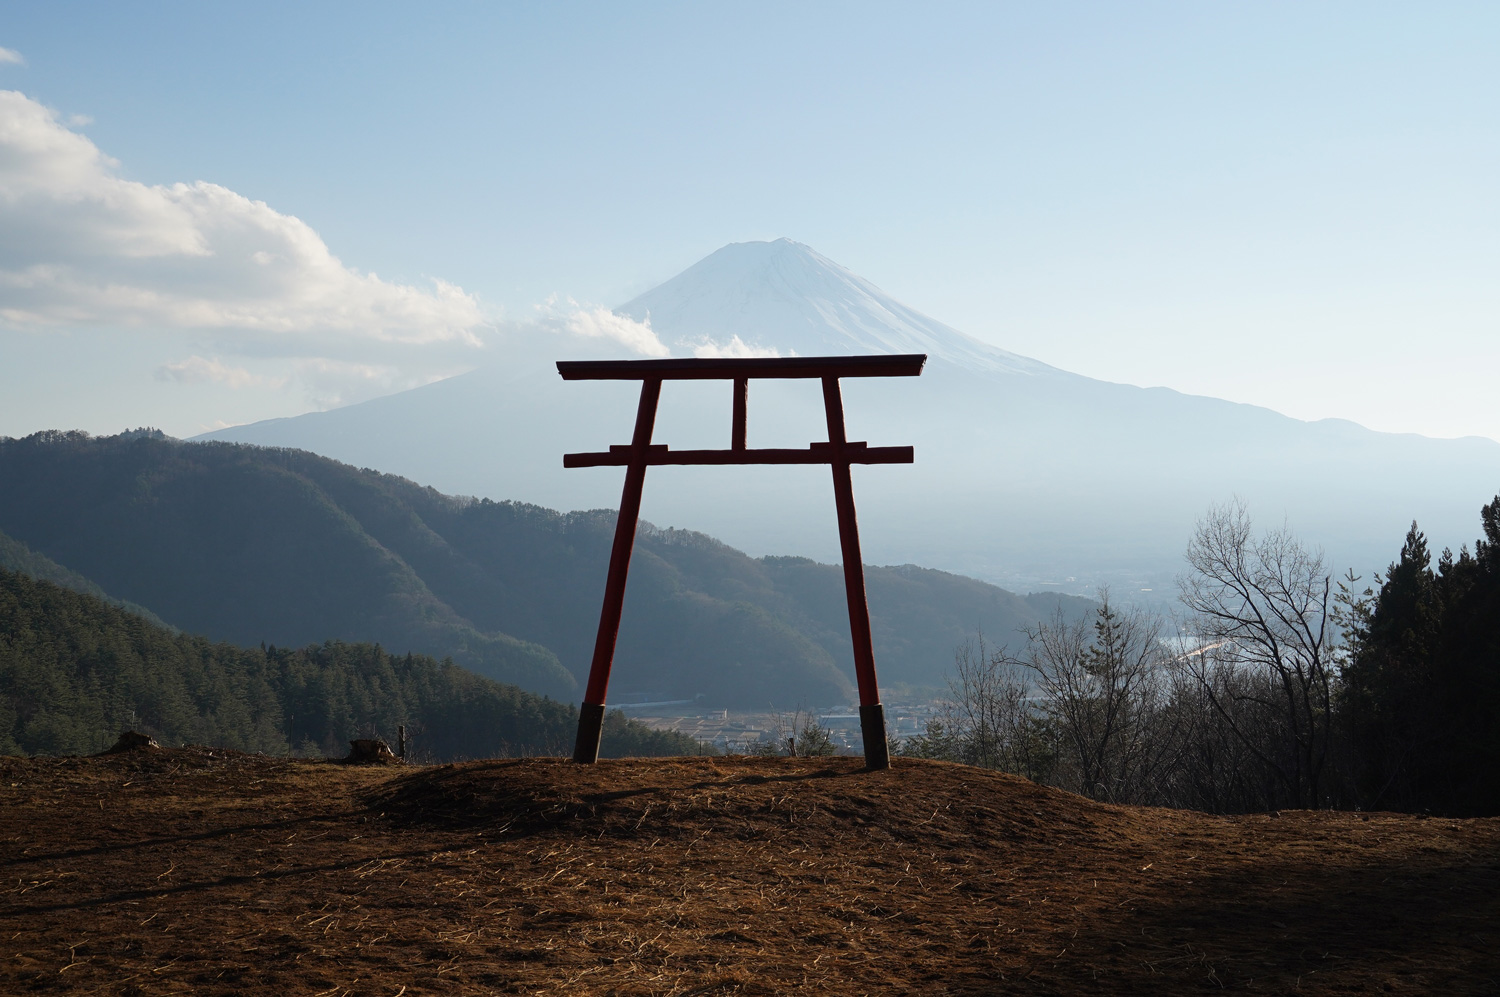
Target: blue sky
<point>1289,204</point>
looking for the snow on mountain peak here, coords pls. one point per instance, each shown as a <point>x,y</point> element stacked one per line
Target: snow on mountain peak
<point>769,298</point>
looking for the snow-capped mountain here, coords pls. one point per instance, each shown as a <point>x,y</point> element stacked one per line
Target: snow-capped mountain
<point>1026,475</point>
<point>782,297</point>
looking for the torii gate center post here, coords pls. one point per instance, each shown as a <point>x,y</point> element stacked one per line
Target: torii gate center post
<point>641,453</point>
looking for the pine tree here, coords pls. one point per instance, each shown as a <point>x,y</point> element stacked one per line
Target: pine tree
<point>1389,693</point>
<point>1421,700</point>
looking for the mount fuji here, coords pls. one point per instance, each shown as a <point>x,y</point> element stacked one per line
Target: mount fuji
<point>782,297</point>
<point>1027,476</point>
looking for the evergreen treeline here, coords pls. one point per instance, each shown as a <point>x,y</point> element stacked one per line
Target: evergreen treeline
<point>1421,692</point>
<point>75,671</point>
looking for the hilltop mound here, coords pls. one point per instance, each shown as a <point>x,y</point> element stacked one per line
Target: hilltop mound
<point>217,872</point>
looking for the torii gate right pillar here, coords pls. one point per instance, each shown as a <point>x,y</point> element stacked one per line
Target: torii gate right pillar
<point>871,712</point>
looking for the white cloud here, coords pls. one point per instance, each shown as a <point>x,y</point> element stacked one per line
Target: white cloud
<point>81,246</point>
<point>736,347</point>
<point>197,370</point>
<point>320,382</point>
<point>79,120</point>
<point>332,383</point>
<point>10,55</point>
<point>601,323</point>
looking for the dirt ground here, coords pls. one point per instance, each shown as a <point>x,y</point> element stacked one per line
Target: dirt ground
<point>196,871</point>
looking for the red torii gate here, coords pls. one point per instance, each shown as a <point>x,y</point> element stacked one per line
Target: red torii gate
<point>641,453</point>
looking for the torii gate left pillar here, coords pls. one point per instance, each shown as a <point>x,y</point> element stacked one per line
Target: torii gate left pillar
<point>838,452</point>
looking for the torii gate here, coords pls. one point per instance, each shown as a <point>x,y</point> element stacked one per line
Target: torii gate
<point>641,453</point>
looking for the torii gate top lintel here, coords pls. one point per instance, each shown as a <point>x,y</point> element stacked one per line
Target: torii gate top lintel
<point>728,368</point>
<point>640,453</point>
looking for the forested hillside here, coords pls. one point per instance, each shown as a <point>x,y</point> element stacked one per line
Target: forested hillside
<point>75,671</point>
<point>16,556</point>
<point>249,544</point>
<point>240,547</point>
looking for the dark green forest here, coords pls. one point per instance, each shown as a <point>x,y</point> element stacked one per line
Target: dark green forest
<point>249,544</point>
<point>75,671</point>
<point>1421,690</point>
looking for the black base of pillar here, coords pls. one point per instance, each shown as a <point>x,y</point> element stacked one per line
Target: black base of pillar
<point>590,729</point>
<point>872,727</point>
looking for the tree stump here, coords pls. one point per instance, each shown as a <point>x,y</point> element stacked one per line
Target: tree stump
<point>370,751</point>
<point>130,740</point>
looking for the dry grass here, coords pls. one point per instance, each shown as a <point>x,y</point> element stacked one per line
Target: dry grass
<point>210,872</point>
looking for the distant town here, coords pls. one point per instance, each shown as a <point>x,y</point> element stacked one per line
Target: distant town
<point>751,732</point>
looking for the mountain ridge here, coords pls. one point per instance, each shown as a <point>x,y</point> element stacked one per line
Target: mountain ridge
<point>251,545</point>
<point>16,556</point>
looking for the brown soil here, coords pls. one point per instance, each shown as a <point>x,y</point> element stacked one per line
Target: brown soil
<point>211,872</point>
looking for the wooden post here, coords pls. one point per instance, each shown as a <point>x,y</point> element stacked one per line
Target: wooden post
<point>871,712</point>
<point>741,407</point>
<point>591,713</point>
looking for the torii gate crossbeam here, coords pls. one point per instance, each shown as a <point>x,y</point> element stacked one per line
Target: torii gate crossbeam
<point>641,453</point>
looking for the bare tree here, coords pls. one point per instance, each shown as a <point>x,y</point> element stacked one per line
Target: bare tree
<point>799,735</point>
<point>988,720</point>
<point>1101,687</point>
<point>1093,717</point>
<point>1214,768</point>
<point>988,704</point>
<point>1260,616</point>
